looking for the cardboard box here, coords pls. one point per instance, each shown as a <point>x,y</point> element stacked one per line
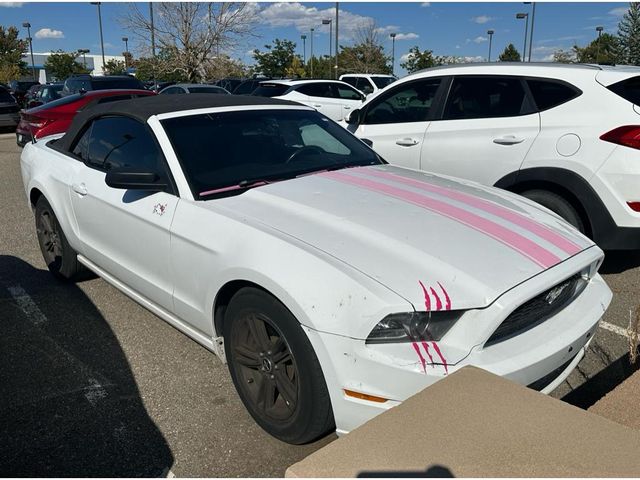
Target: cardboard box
<point>476,424</point>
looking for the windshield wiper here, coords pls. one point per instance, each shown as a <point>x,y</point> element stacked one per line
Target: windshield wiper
<point>241,185</point>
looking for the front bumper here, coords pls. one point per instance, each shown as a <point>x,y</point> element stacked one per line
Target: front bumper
<point>395,372</point>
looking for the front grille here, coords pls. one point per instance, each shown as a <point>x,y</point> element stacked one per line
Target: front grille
<point>538,309</point>
<point>541,383</point>
<point>11,109</point>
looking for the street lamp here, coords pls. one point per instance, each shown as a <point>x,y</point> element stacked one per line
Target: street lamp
<point>126,49</point>
<point>490,33</point>
<point>304,49</point>
<point>84,52</point>
<point>330,23</point>
<point>533,19</point>
<point>393,52</point>
<point>520,16</point>
<point>599,30</point>
<point>311,53</point>
<point>337,46</point>
<point>27,25</point>
<point>101,38</point>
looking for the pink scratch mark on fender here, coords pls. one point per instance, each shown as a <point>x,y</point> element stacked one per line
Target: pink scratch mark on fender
<point>446,297</point>
<point>422,360</point>
<point>444,362</point>
<point>427,300</point>
<point>438,301</point>
<point>425,345</point>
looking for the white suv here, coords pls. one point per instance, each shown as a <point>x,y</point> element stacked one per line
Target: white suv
<point>565,136</point>
<point>333,98</point>
<point>368,83</point>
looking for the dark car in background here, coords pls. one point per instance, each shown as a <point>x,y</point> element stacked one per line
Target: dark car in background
<point>228,84</point>
<point>8,109</point>
<point>41,94</point>
<point>185,88</point>
<point>87,83</point>
<point>248,86</point>
<point>19,89</point>
<point>55,117</point>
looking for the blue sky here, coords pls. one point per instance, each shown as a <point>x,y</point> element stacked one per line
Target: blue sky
<point>446,28</point>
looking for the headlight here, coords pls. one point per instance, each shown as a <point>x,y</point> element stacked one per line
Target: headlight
<point>414,326</point>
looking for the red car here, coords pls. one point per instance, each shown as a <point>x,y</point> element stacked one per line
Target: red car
<point>55,117</point>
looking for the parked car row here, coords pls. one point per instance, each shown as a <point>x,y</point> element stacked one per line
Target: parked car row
<point>333,284</point>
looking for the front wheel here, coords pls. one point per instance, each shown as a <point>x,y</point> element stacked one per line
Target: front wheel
<point>275,369</point>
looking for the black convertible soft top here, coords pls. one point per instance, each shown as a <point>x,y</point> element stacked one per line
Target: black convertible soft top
<point>142,108</point>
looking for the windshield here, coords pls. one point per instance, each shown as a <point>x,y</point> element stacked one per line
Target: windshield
<point>117,83</point>
<point>382,82</point>
<point>270,90</point>
<point>207,90</point>
<point>228,151</point>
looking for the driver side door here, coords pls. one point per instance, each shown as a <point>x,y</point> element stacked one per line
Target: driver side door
<point>396,122</point>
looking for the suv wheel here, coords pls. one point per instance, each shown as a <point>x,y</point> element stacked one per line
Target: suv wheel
<point>558,205</point>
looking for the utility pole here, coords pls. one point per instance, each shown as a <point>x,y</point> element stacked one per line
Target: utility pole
<point>393,52</point>
<point>533,19</point>
<point>490,33</point>
<point>520,16</point>
<point>330,23</point>
<point>153,31</point>
<point>27,25</point>
<point>304,49</point>
<point>101,37</point>
<point>311,55</point>
<point>336,67</point>
<point>599,30</point>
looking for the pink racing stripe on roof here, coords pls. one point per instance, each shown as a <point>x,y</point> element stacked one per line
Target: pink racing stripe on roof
<point>488,206</point>
<point>514,240</point>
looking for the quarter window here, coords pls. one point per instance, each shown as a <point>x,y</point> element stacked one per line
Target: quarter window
<point>548,94</point>
<point>408,103</point>
<point>485,97</point>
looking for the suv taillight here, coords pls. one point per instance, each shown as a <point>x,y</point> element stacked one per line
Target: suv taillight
<point>629,136</point>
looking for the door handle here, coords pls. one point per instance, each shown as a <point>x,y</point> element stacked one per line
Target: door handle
<point>508,140</point>
<point>80,189</point>
<point>406,142</point>
<point>347,107</point>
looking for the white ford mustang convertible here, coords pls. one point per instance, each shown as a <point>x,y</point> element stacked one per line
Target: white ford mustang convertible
<point>334,285</point>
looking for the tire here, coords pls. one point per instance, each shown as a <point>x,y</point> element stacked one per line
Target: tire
<point>558,205</point>
<point>61,259</point>
<point>274,368</point>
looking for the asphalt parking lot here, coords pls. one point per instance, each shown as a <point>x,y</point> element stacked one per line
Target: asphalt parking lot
<point>93,384</point>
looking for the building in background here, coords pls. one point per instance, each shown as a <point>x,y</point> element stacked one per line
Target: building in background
<point>93,64</point>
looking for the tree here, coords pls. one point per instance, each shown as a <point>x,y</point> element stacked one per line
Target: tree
<point>296,69</point>
<point>11,49</point>
<point>562,56</point>
<point>61,65</point>
<point>323,67</point>
<point>159,67</point>
<point>605,50</point>
<point>128,60</point>
<point>629,35</point>
<point>417,60</point>
<point>278,57</point>
<point>192,32</point>
<point>510,54</point>
<point>367,55</point>
<point>225,67</point>
<point>114,67</point>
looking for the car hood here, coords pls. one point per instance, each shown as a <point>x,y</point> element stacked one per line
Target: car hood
<point>436,241</point>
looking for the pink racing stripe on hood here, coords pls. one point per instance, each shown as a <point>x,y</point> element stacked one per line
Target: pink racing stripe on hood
<point>513,240</point>
<point>488,206</point>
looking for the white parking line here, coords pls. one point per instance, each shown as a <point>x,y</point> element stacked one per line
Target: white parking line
<point>615,329</point>
<point>27,305</point>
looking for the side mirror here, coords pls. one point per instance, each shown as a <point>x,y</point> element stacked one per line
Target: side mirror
<point>354,117</point>
<point>134,180</point>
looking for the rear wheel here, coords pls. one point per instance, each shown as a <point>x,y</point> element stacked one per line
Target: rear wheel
<point>558,205</point>
<point>275,369</point>
<point>61,259</point>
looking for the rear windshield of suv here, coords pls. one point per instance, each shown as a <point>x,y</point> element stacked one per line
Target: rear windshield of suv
<point>117,83</point>
<point>5,96</point>
<point>628,89</point>
<point>270,90</point>
<point>382,82</point>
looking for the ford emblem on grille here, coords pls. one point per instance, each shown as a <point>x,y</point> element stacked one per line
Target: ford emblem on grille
<point>554,293</point>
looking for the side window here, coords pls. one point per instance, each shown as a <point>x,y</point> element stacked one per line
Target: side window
<point>548,94</point>
<point>350,80</point>
<point>81,145</point>
<point>173,91</point>
<point>317,90</point>
<point>123,142</point>
<point>364,85</point>
<point>485,97</point>
<point>406,103</point>
<point>114,98</point>
<point>346,92</point>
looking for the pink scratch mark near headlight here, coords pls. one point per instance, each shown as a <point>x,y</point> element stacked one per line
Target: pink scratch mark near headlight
<point>427,300</point>
<point>438,301</point>
<point>422,360</point>
<point>425,345</point>
<point>446,297</point>
<point>444,362</point>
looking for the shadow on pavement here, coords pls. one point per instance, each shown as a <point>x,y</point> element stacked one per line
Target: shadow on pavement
<point>619,261</point>
<point>69,405</point>
<point>434,471</point>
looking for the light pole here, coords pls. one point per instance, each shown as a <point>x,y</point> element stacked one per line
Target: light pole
<point>520,16</point>
<point>490,33</point>
<point>153,31</point>
<point>533,19</point>
<point>336,67</point>
<point>101,38</point>
<point>311,53</point>
<point>126,49</point>
<point>393,52</point>
<point>599,30</point>
<point>330,23</point>
<point>27,25</point>
<point>84,52</point>
<point>304,49</point>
